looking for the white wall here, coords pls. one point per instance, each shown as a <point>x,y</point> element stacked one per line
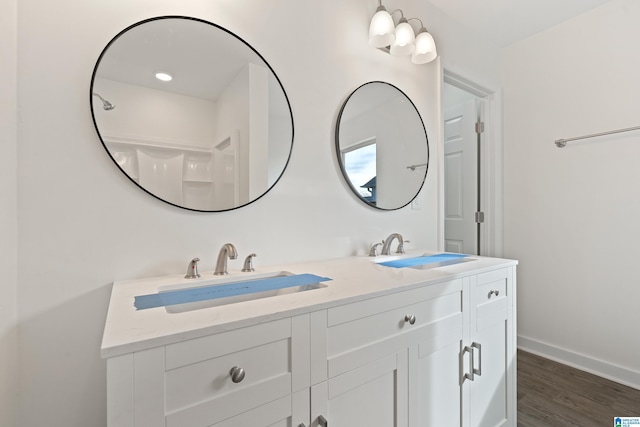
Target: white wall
<point>572,214</point>
<point>8,216</point>
<point>83,224</point>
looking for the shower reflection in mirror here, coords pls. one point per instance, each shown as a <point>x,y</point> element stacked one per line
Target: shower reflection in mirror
<point>202,121</point>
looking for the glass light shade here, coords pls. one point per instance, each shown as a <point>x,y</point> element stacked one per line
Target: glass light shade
<point>425,50</point>
<point>381,29</point>
<point>404,42</point>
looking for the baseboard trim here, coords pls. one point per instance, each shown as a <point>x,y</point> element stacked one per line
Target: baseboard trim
<point>594,366</point>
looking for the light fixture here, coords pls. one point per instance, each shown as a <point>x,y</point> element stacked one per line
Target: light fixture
<point>164,76</point>
<point>425,50</point>
<point>400,39</point>
<point>382,28</point>
<point>405,38</point>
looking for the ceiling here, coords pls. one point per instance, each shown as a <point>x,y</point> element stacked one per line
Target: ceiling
<point>507,21</point>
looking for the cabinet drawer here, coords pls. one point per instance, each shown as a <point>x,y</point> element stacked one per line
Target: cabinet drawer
<point>199,389</point>
<point>489,298</point>
<point>374,328</point>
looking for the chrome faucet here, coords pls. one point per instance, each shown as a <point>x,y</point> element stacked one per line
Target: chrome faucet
<point>386,247</point>
<point>226,251</point>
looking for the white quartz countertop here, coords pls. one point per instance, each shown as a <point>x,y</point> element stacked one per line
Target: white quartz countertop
<point>353,278</point>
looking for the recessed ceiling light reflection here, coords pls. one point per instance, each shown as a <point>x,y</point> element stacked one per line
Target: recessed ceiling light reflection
<point>165,77</point>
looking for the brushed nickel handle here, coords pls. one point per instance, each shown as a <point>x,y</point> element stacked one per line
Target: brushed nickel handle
<point>479,370</point>
<point>468,375</point>
<point>192,269</point>
<point>248,263</point>
<point>322,421</point>
<point>495,292</point>
<point>410,318</point>
<point>237,374</point>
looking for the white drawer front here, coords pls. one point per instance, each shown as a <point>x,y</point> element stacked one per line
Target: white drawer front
<point>368,330</point>
<point>490,298</point>
<point>199,389</point>
<point>385,325</point>
<point>208,379</point>
<point>211,346</point>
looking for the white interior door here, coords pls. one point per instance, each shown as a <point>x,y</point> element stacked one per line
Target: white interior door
<point>461,178</point>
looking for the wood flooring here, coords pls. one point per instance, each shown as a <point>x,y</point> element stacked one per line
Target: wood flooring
<point>551,394</point>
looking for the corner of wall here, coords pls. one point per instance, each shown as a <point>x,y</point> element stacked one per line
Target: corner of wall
<point>8,215</point>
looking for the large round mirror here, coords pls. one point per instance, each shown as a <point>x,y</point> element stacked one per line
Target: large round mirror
<point>382,146</point>
<point>191,113</point>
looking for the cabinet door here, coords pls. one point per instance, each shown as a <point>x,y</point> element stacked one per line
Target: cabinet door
<point>491,393</point>
<point>434,372</point>
<point>374,395</point>
<point>284,412</point>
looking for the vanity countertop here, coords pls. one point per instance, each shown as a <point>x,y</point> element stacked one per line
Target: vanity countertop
<point>353,278</point>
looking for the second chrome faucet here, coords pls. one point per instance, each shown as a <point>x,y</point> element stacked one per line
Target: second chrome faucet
<point>386,246</point>
<point>227,251</point>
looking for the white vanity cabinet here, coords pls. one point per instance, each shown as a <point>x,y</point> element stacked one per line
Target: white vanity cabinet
<point>492,337</point>
<point>467,377</point>
<point>442,354</point>
<point>369,350</point>
<point>253,376</point>
<point>437,353</point>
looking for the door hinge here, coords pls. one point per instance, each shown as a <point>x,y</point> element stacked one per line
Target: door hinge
<point>479,127</point>
<point>479,217</point>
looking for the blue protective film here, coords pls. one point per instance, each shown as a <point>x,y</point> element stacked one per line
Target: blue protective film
<point>204,293</point>
<point>421,260</point>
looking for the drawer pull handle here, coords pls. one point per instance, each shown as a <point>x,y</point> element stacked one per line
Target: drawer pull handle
<point>322,421</point>
<point>410,318</point>
<point>493,292</point>
<point>237,374</point>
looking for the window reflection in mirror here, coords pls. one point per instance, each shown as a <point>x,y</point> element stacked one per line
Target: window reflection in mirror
<point>360,164</point>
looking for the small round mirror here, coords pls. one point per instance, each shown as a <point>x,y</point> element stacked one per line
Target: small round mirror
<point>382,146</point>
<point>191,113</point>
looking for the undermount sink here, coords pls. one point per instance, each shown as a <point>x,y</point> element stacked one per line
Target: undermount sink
<point>424,261</point>
<point>183,297</point>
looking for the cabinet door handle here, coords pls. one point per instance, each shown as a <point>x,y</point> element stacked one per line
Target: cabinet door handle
<point>322,421</point>
<point>467,375</point>
<point>237,374</point>
<point>410,318</point>
<point>492,292</point>
<point>479,347</point>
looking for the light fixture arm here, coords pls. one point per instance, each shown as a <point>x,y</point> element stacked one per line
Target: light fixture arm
<point>398,10</point>
<point>420,21</point>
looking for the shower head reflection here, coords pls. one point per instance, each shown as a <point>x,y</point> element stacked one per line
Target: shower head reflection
<point>105,104</point>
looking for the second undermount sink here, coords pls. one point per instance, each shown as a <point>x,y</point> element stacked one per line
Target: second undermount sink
<point>424,261</point>
<point>183,297</point>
